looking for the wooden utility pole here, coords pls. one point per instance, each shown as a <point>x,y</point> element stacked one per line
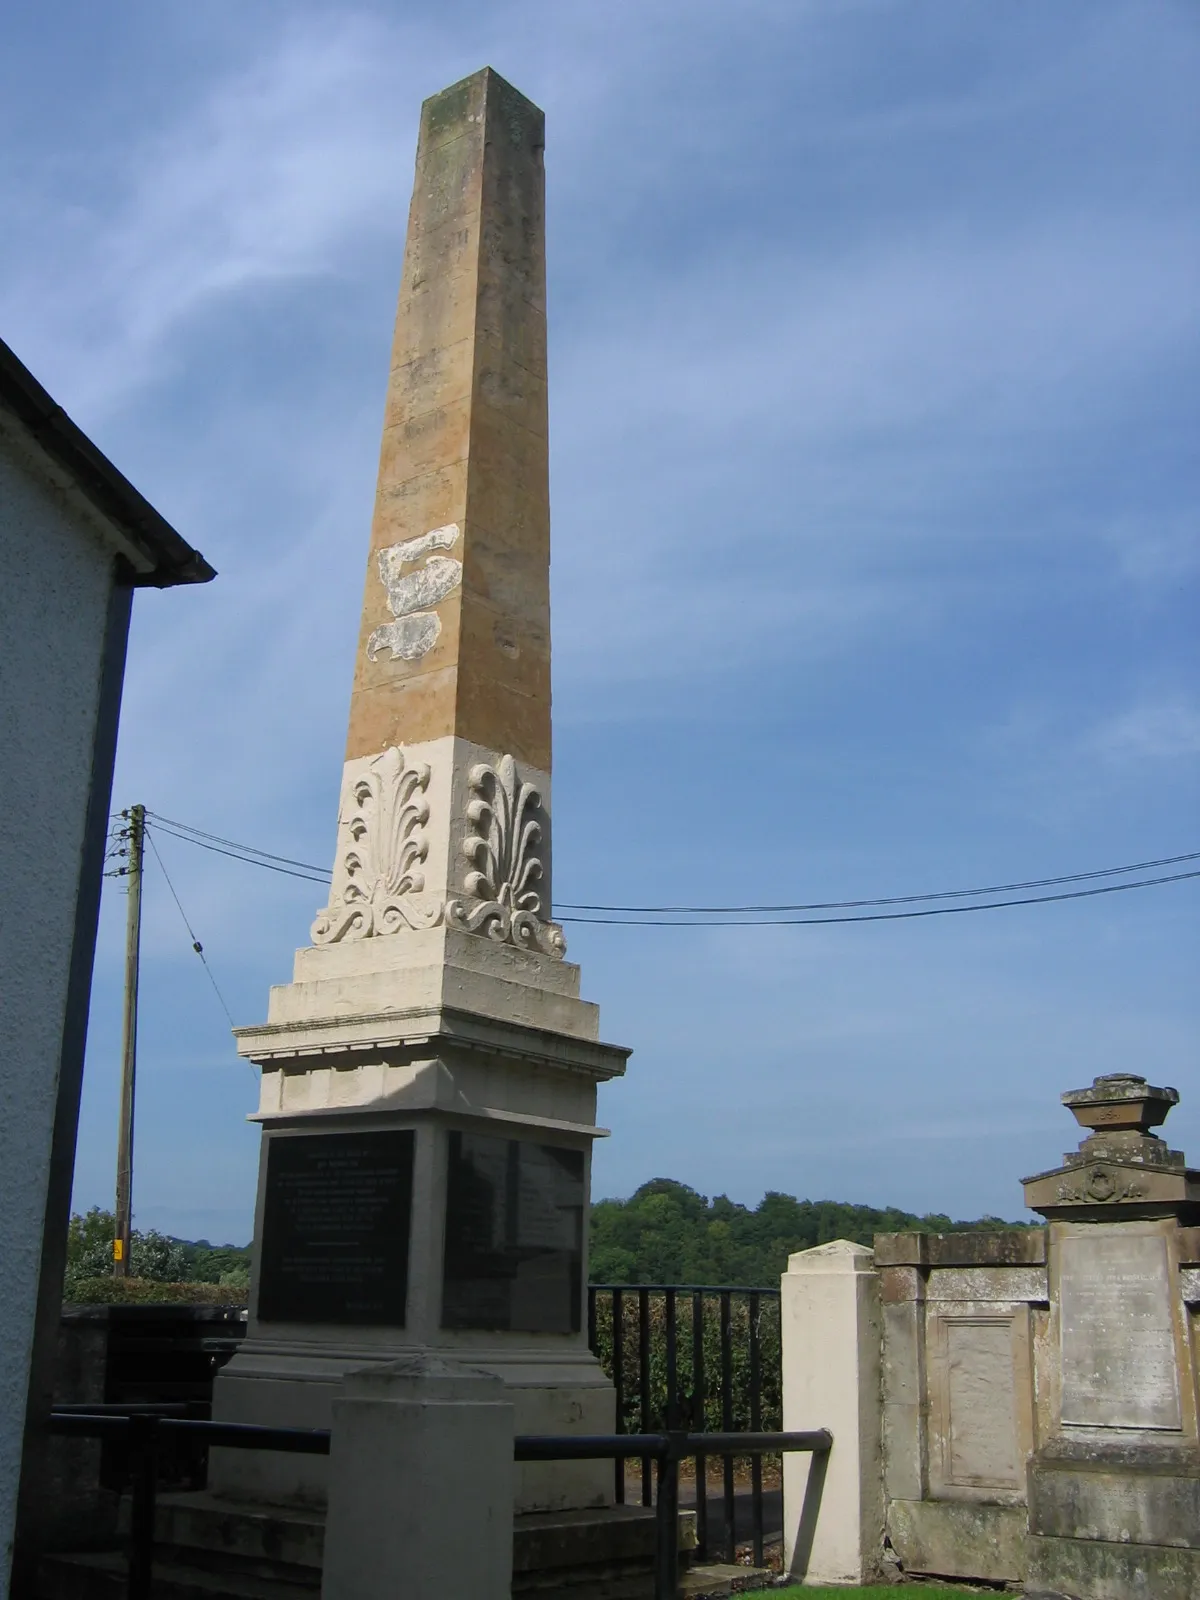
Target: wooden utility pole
<point>136,817</point>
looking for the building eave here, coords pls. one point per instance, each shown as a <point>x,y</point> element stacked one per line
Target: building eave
<point>152,554</point>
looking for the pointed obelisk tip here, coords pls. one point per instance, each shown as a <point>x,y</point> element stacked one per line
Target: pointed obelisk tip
<point>468,100</point>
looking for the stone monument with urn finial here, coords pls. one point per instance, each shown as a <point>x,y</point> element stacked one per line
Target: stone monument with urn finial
<point>1114,1483</point>
<point>429,1076</point>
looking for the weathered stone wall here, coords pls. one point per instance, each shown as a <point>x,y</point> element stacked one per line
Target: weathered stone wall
<point>963,1315</point>
<point>973,1357</point>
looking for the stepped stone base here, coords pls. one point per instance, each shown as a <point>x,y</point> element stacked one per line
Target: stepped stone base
<point>209,1547</point>
<point>717,1579</point>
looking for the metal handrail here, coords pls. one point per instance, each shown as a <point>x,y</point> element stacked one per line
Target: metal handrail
<point>660,1359</point>
<point>692,1288</point>
<point>143,1429</point>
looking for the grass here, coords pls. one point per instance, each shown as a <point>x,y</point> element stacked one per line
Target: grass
<point>874,1591</point>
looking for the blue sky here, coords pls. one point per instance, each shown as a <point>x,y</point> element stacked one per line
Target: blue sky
<point>874,333</point>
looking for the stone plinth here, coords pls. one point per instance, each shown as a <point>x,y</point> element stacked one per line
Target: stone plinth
<point>487,1078</point>
<point>403,1434</point>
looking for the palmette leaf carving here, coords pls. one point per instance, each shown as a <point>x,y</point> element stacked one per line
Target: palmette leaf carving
<point>504,846</point>
<point>378,877</point>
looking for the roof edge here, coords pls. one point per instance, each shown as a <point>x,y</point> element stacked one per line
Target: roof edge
<point>159,557</point>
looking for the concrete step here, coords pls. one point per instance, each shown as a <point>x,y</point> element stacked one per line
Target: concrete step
<point>103,1577</point>
<point>717,1579</point>
<point>206,1546</point>
<point>281,1536</point>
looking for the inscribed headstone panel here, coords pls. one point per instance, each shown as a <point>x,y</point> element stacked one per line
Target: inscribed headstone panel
<point>1118,1339</point>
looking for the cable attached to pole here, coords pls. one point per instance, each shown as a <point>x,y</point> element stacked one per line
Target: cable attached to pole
<point>753,916</point>
<point>196,945</point>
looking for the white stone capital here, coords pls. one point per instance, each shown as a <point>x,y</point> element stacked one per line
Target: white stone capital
<point>442,831</point>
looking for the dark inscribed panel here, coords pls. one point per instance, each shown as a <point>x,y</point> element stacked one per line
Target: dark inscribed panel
<point>514,1236</point>
<point>335,1228</point>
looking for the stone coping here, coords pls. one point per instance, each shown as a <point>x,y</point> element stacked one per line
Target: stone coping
<point>1008,1247</point>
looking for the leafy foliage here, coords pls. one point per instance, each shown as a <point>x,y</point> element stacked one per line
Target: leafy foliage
<point>109,1291</point>
<point>664,1233</point>
<point>155,1258</point>
<point>699,1390</point>
<point>668,1233</point>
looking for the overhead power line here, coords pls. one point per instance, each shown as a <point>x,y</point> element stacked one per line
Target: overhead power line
<point>747,916</point>
<point>196,945</point>
<point>876,916</point>
<point>903,899</point>
<point>239,852</point>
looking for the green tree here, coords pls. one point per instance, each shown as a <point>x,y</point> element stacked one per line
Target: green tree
<point>666,1232</point>
<point>153,1257</point>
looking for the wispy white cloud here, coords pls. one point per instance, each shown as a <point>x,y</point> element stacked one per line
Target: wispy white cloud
<point>272,173</point>
<point>1165,731</point>
<point>1156,551</point>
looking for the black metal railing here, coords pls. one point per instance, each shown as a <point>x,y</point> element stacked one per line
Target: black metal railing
<point>667,1450</point>
<point>145,1432</point>
<point>706,1357</point>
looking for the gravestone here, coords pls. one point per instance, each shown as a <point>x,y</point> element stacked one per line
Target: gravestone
<point>429,1076</point>
<point>1114,1486</point>
<point>1119,1367</point>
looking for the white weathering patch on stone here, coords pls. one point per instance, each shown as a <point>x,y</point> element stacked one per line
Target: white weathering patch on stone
<point>416,628</point>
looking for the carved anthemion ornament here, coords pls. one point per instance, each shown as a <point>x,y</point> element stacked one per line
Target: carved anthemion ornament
<point>377,877</point>
<point>505,852</point>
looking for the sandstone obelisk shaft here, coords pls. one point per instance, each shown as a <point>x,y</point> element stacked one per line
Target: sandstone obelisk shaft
<point>432,1055</point>
<point>456,615</point>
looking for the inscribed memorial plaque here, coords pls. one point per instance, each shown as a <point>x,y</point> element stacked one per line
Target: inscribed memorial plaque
<point>1118,1338</point>
<point>981,1447</point>
<point>514,1236</point>
<point>335,1228</point>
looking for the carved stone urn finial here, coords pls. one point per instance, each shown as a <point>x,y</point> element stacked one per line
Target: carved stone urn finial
<point>1120,1169</point>
<point>1120,1102</point>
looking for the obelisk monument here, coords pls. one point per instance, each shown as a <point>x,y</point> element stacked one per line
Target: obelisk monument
<point>429,1076</point>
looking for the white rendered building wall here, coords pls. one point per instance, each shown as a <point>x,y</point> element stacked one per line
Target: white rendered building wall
<point>54,600</point>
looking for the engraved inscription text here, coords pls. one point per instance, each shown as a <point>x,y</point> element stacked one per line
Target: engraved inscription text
<point>1118,1342</point>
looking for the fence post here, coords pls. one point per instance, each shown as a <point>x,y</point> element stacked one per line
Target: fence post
<point>833,1513</point>
<point>143,1438</point>
<point>421,1485</point>
<point>666,1542</point>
